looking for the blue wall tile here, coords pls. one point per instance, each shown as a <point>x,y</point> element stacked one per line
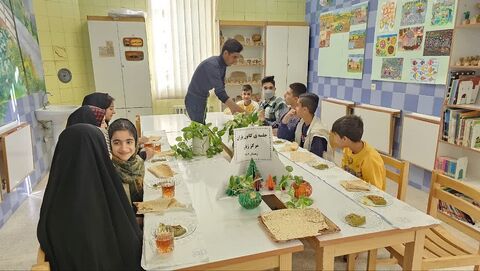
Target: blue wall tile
<point>14,199</point>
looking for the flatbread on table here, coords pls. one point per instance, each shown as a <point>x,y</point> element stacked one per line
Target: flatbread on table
<point>161,170</point>
<point>301,156</point>
<point>355,185</point>
<point>288,224</point>
<point>157,205</point>
<point>289,146</point>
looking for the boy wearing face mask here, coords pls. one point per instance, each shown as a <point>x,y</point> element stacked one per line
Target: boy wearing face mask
<point>273,107</point>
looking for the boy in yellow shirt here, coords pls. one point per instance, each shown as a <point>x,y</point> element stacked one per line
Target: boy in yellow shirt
<point>359,158</point>
<point>247,103</point>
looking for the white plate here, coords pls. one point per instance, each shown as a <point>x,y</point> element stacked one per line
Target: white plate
<point>372,220</point>
<point>362,198</point>
<point>154,182</point>
<point>183,218</point>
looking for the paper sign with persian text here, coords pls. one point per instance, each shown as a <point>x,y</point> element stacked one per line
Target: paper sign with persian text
<point>252,142</point>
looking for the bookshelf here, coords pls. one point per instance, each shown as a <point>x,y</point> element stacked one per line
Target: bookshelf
<point>461,110</point>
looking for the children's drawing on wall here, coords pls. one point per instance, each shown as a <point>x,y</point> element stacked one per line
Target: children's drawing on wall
<point>392,68</point>
<point>325,38</point>
<point>12,79</point>
<point>423,70</point>
<point>410,39</point>
<point>359,14</point>
<point>28,41</point>
<point>341,23</point>
<point>438,43</point>
<point>442,12</point>
<point>355,63</point>
<point>385,45</point>
<point>356,39</point>
<point>413,12</point>
<point>387,19</point>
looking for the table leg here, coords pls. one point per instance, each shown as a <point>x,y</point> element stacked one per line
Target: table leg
<point>285,262</point>
<point>325,258</point>
<point>414,252</point>
<point>372,260</point>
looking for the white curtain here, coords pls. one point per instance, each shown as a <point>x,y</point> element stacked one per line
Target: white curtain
<point>182,33</point>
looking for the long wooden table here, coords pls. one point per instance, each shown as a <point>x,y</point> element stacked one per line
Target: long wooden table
<point>205,176</point>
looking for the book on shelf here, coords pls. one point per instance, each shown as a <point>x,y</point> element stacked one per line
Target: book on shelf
<point>452,76</point>
<point>463,90</point>
<point>457,213</point>
<point>455,168</point>
<point>462,127</point>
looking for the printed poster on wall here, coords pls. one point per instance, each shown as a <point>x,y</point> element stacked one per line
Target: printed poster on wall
<point>412,40</point>
<point>342,42</point>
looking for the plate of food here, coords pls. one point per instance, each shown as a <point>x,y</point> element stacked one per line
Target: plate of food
<point>318,165</point>
<point>360,218</point>
<point>182,223</point>
<point>373,199</point>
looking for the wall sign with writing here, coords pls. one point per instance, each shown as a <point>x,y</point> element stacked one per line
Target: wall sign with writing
<point>253,142</point>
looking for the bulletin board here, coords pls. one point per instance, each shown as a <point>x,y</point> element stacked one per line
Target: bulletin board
<point>412,40</point>
<point>343,34</point>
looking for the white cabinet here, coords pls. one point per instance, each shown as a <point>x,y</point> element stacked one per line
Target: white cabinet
<point>287,55</point>
<point>120,63</point>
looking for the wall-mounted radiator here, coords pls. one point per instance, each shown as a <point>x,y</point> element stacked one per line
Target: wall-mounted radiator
<point>16,159</point>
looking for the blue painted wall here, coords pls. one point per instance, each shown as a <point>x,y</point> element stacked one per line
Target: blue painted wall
<point>421,98</point>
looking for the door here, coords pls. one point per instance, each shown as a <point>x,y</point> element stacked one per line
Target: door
<point>297,63</point>
<point>105,51</point>
<point>276,56</point>
<point>136,73</point>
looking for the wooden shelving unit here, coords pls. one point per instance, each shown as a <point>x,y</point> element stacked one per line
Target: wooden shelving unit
<point>465,43</point>
<point>251,50</point>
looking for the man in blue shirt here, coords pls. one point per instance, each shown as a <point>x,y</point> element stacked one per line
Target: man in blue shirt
<point>211,74</point>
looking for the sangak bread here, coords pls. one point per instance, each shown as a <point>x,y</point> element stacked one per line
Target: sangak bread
<point>355,185</point>
<point>301,156</point>
<point>377,200</point>
<point>157,205</point>
<point>161,170</point>
<point>288,224</point>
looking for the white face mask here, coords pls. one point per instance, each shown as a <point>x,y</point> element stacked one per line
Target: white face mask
<point>268,94</point>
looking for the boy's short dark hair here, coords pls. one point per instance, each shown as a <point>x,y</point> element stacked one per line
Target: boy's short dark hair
<point>298,89</point>
<point>247,87</point>
<point>310,101</point>
<point>350,126</point>
<point>232,46</point>
<point>268,79</point>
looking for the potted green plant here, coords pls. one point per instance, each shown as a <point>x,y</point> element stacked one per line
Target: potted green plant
<point>198,139</point>
<point>242,120</point>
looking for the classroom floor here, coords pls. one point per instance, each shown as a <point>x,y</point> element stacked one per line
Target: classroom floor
<point>19,246</point>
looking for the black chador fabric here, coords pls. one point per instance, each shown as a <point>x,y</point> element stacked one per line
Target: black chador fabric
<point>83,114</point>
<point>86,221</point>
<point>97,99</point>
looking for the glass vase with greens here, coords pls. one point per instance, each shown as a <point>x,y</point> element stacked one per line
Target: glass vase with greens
<point>199,139</point>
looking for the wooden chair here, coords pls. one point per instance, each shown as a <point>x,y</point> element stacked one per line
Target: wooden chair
<point>397,171</point>
<point>443,250</point>
<point>41,264</point>
<point>138,125</point>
